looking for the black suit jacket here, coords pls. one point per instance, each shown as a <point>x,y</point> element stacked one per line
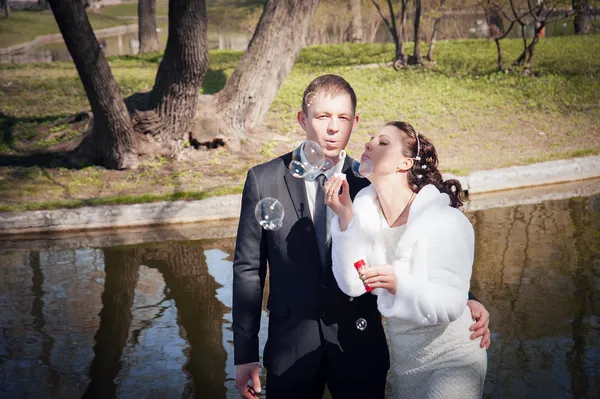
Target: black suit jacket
<point>310,317</point>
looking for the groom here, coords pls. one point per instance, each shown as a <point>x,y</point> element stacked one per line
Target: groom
<point>317,335</point>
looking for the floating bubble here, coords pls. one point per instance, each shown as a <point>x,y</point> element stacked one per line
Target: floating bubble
<point>327,164</point>
<point>313,153</point>
<point>361,324</point>
<point>362,169</point>
<point>312,164</point>
<point>310,96</point>
<point>298,169</point>
<point>269,213</point>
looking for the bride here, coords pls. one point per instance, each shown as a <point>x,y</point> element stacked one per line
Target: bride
<point>419,251</point>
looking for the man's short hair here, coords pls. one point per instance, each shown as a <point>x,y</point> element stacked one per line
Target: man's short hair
<point>329,84</point>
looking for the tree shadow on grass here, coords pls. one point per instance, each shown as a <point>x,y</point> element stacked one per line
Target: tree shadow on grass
<point>21,157</point>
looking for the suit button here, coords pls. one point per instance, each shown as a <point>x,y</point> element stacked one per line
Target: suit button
<point>351,299</point>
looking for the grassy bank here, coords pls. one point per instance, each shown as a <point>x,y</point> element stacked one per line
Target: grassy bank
<point>477,118</point>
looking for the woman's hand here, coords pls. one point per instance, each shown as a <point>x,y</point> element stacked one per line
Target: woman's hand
<point>381,277</point>
<point>341,204</point>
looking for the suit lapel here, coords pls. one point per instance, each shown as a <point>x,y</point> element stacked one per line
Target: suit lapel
<point>297,190</point>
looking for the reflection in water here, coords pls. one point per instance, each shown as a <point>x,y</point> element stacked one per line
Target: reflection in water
<point>154,320</point>
<point>537,270</point>
<point>121,268</point>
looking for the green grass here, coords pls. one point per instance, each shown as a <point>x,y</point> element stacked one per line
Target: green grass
<point>24,26</point>
<point>477,117</point>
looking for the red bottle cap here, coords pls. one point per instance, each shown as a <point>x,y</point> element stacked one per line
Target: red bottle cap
<point>359,263</point>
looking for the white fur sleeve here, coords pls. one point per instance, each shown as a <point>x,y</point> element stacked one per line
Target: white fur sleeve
<point>438,295</point>
<point>346,248</point>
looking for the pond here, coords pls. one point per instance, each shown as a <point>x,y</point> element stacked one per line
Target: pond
<point>147,313</point>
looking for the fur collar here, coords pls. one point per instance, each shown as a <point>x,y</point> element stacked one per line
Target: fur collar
<point>368,212</point>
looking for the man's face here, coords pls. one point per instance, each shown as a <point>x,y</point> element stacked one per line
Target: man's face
<point>329,122</point>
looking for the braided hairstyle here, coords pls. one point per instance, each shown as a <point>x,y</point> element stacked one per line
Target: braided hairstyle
<point>425,169</point>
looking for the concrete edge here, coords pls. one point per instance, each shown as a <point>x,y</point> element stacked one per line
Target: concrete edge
<point>228,207</point>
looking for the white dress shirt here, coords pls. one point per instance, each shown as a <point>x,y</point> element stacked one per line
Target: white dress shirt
<point>311,186</point>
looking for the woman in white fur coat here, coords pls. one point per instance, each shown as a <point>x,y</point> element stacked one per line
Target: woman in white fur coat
<point>419,251</point>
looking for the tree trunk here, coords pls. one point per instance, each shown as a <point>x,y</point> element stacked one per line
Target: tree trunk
<point>163,117</point>
<point>147,26</point>
<point>247,95</point>
<point>356,23</point>
<point>499,49</point>
<point>417,39</point>
<point>526,57</point>
<point>399,56</point>
<point>403,14</point>
<point>440,14</point>
<point>112,141</point>
<point>583,18</point>
<point>7,9</point>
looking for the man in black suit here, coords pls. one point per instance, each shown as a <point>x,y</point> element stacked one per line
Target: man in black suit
<point>317,335</point>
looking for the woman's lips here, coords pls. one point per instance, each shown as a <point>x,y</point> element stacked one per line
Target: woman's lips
<point>363,157</point>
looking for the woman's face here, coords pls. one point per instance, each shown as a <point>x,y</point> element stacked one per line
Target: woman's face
<point>385,151</point>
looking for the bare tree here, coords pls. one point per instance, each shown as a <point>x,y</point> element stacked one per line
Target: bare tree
<point>438,15</point>
<point>147,26</point>
<point>400,57</point>
<point>521,14</point>
<point>496,31</point>
<point>356,23</point>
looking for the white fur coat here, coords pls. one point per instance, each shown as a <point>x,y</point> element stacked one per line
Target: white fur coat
<point>434,257</point>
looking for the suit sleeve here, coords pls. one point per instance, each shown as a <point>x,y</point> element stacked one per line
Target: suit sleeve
<point>249,271</point>
<point>440,295</point>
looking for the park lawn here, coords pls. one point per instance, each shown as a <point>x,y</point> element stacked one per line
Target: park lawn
<point>478,118</point>
<point>24,26</point>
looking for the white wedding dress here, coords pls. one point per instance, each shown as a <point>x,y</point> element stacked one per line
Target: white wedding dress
<point>438,361</point>
<point>427,320</point>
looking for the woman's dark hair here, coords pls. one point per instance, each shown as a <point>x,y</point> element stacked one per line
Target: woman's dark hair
<point>425,169</point>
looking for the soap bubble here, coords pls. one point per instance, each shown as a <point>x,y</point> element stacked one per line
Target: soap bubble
<point>310,96</point>
<point>269,213</point>
<point>313,154</point>
<point>362,169</point>
<point>314,161</point>
<point>327,164</point>
<point>361,324</point>
<point>298,169</point>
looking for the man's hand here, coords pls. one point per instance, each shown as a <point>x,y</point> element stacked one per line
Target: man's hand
<point>480,328</point>
<point>244,373</point>
<point>341,204</point>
